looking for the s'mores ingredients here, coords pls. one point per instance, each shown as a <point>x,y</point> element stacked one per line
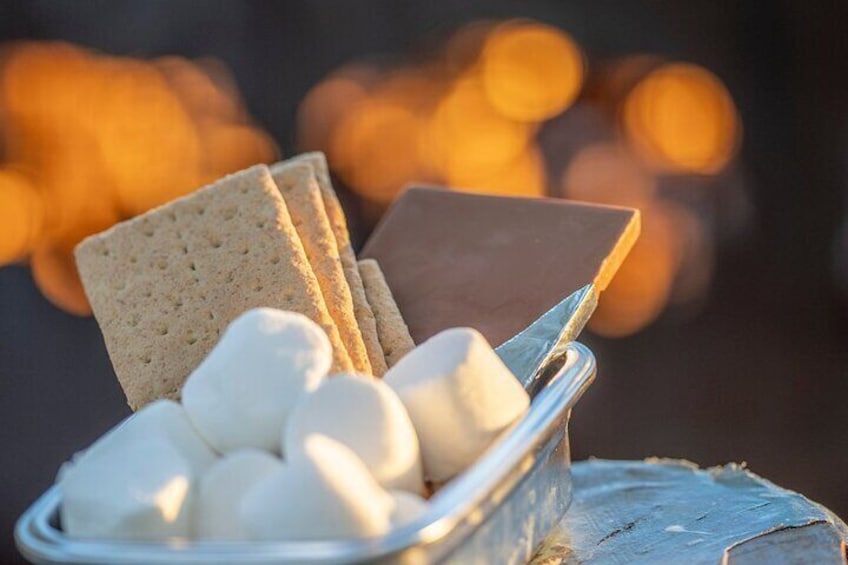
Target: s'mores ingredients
<point>493,263</point>
<point>365,415</point>
<point>299,187</point>
<point>140,490</point>
<point>408,507</point>
<point>335,213</point>
<point>165,284</point>
<point>459,395</point>
<point>222,488</point>
<point>391,329</point>
<point>324,491</point>
<point>241,395</point>
<point>163,420</point>
<point>355,448</point>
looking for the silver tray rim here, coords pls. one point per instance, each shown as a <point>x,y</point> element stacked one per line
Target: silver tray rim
<point>460,500</point>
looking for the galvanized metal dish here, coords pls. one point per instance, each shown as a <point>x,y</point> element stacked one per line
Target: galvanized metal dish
<point>499,510</point>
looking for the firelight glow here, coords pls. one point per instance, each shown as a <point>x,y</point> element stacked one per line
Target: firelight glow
<point>681,118</point>
<point>90,139</point>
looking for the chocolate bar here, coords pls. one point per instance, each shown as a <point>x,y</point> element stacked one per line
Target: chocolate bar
<point>494,263</point>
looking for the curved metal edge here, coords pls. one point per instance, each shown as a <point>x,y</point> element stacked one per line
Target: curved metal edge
<point>40,542</point>
<point>532,349</point>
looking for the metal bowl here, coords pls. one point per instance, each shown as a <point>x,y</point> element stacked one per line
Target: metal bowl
<point>498,511</point>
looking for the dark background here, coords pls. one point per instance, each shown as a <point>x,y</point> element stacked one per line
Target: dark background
<point>757,374</point>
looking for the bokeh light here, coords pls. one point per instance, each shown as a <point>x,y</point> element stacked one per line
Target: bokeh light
<point>672,259</point>
<point>697,256</point>
<point>446,119</point>
<point>54,272</point>
<point>469,138</point>
<point>21,215</point>
<point>377,148</point>
<point>522,176</point>
<point>462,49</point>
<point>321,110</point>
<point>490,110</point>
<point>642,286</point>
<point>145,158</point>
<point>531,71</point>
<point>681,118</point>
<point>89,140</point>
<point>608,174</point>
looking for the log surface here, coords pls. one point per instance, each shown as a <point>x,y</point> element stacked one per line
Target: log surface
<point>666,511</point>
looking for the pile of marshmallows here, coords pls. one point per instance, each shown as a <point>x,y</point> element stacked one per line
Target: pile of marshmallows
<point>265,447</point>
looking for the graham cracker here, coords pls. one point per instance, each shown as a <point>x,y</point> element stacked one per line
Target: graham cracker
<point>164,285</point>
<point>394,335</point>
<point>361,309</point>
<point>299,187</point>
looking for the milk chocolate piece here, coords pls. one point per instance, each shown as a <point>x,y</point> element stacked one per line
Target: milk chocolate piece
<point>494,263</point>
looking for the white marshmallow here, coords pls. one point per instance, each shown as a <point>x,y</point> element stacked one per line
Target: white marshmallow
<point>459,395</point>
<point>133,491</point>
<point>222,489</point>
<point>408,507</point>
<point>242,393</point>
<point>323,492</point>
<point>366,415</point>
<point>162,419</point>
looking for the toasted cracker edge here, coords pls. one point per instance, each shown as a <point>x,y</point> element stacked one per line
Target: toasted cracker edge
<point>335,213</point>
<point>300,190</point>
<point>394,334</point>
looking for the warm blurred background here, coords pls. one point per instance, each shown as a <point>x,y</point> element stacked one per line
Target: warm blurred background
<point>724,336</point>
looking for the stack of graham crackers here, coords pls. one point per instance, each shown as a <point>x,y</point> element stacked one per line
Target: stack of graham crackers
<point>164,285</point>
